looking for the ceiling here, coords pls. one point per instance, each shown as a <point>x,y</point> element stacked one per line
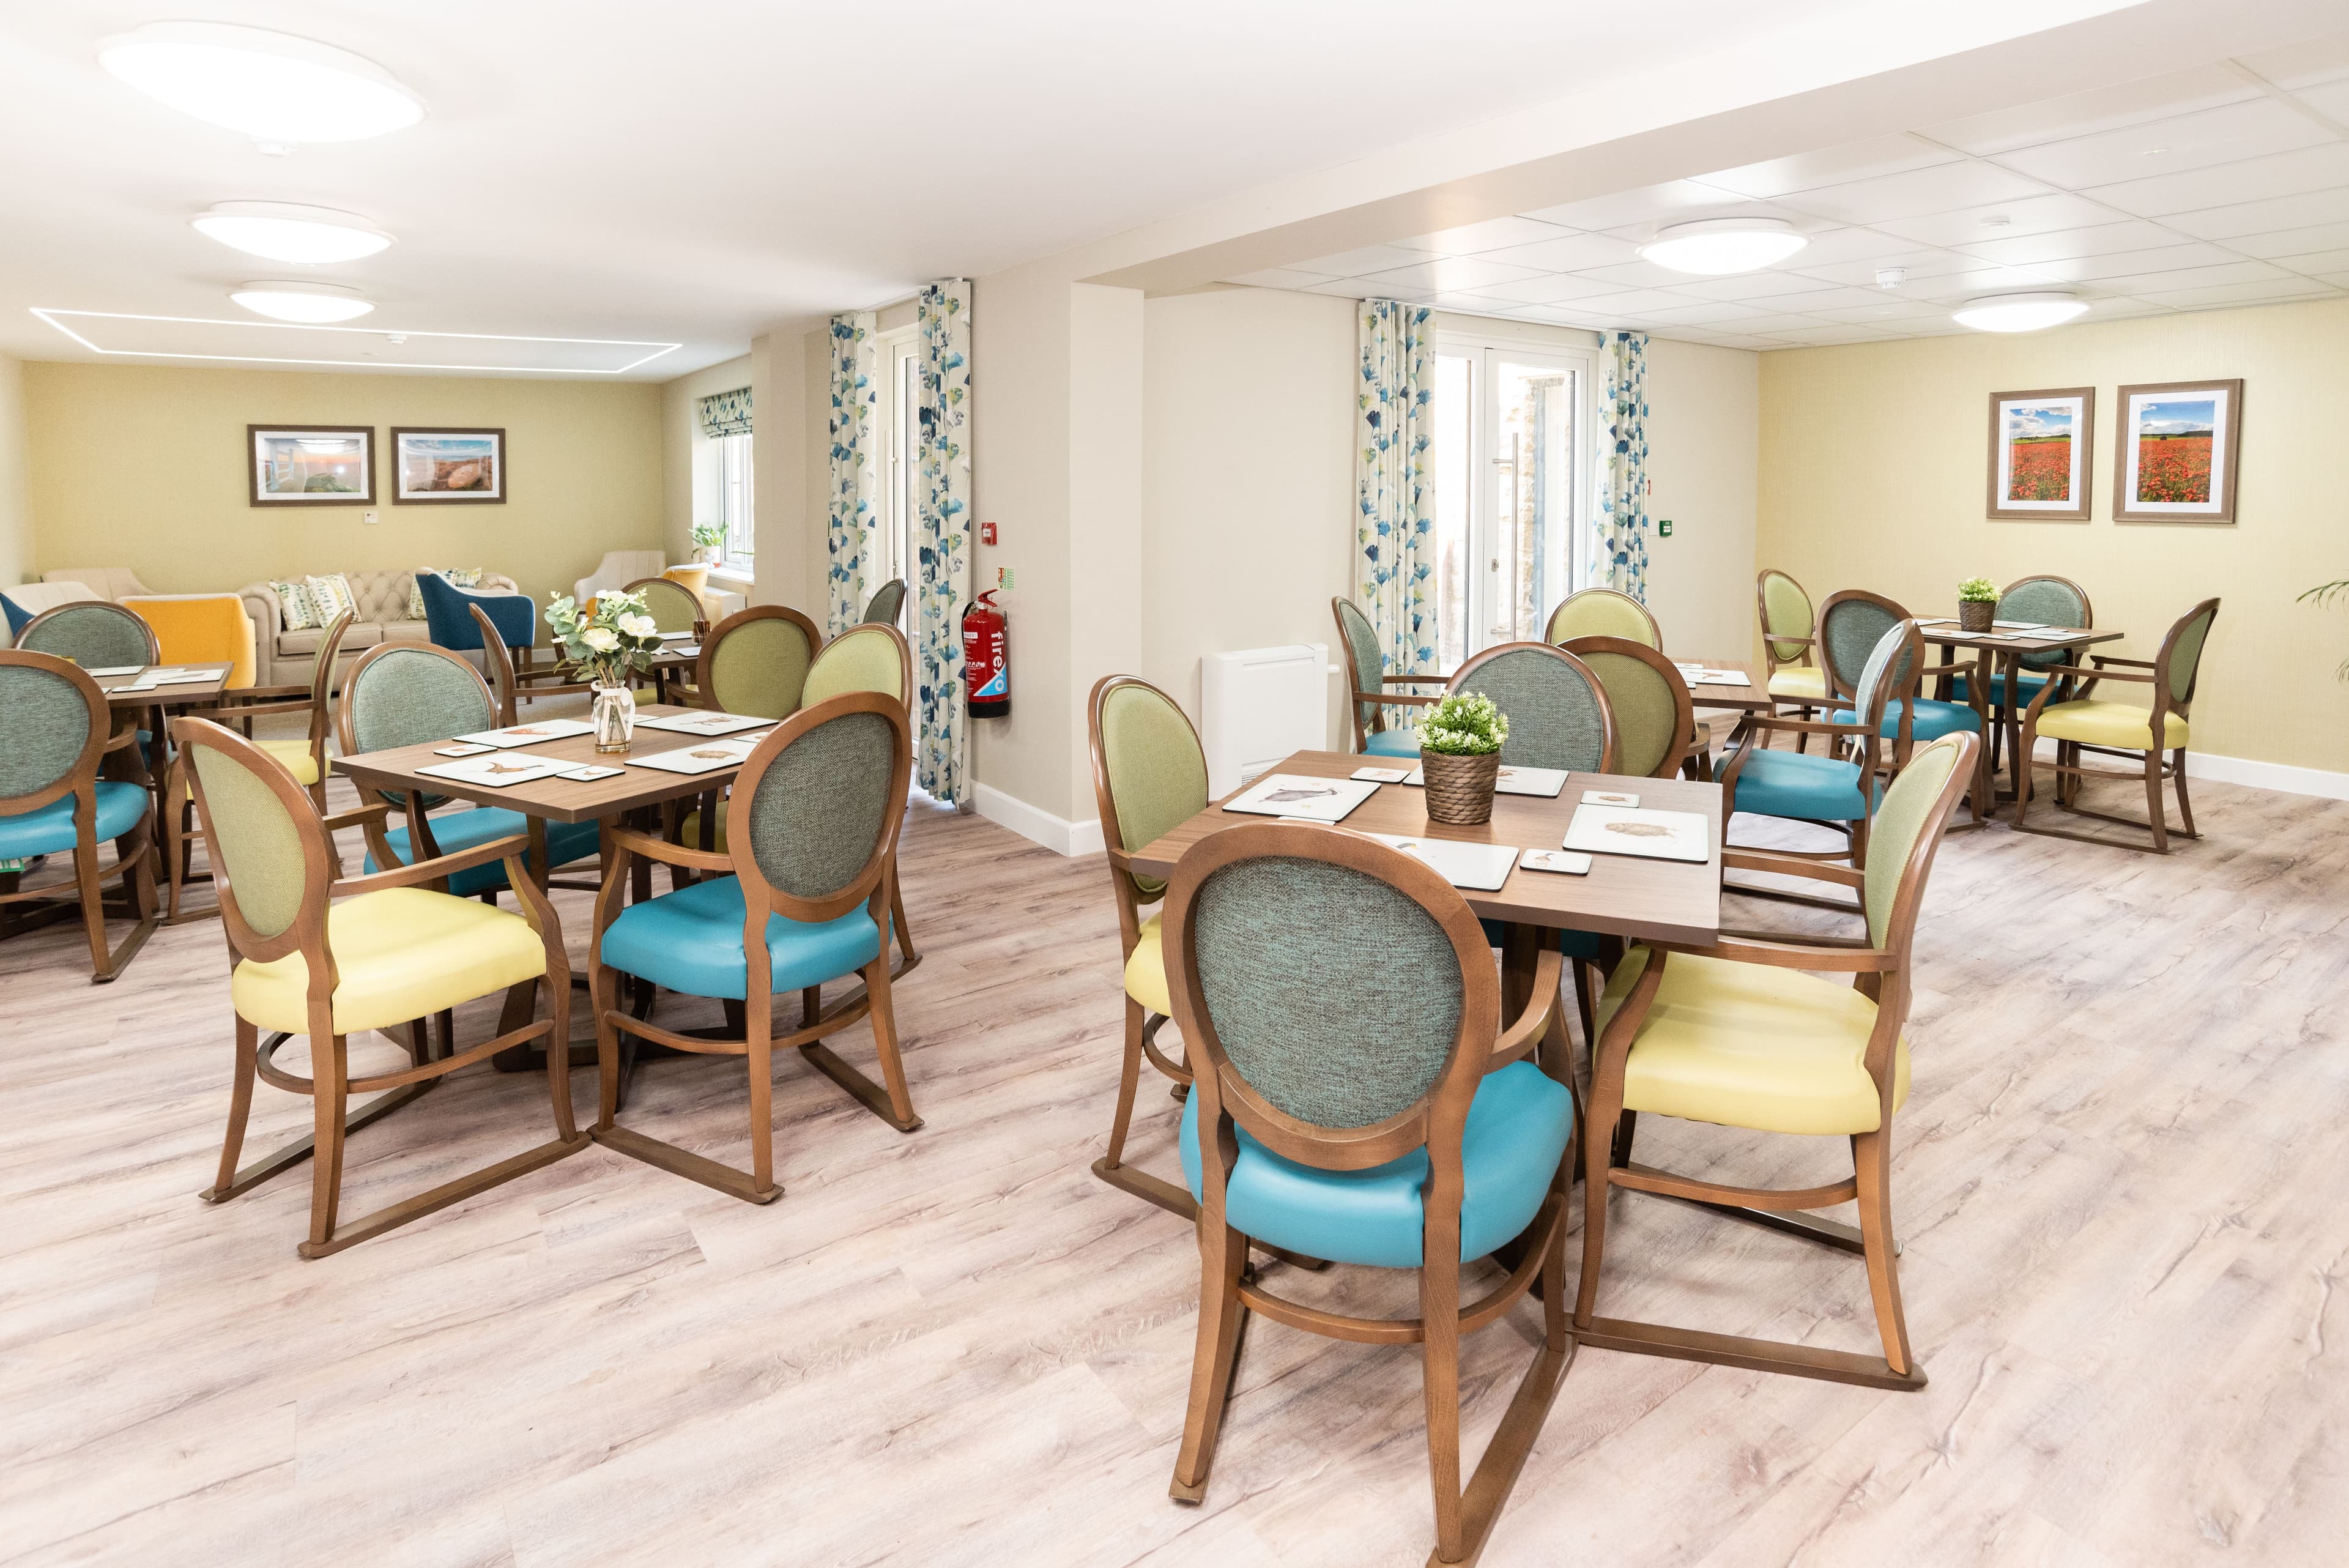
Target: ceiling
<point>2223,185</point>
<point>609,170</point>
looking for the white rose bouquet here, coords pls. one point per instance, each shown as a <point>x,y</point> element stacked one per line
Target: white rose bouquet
<point>616,641</point>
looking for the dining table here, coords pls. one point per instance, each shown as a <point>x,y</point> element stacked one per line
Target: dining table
<point>2005,645</point>
<point>130,690</point>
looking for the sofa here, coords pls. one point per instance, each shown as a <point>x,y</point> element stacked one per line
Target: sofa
<point>115,583</point>
<point>285,658</point>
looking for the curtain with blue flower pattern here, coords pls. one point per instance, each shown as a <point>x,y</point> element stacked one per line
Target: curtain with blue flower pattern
<point>1619,556</point>
<point>725,413</point>
<point>941,539</point>
<point>856,390</point>
<point>1394,525</point>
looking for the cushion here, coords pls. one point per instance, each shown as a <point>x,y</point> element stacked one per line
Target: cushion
<point>294,755</point>
<point>1517,1131</point>
<point>200,629</point>
<point>401,953</point>
<point>50,829</point>
<point>331,595</point>
<point>1933,721</point>
<point>1392,744</point>
<point>1995,689</point>
<point>1746,1045</point>
<point>689,829</point>
<point>297,606</point>
<point>456,830</point>
<point>1145,972</point>
<point>359,634</point>
<point>466,578</point>
<point>2096,722</point>
<point>690,941</point>
<point>1798,785</point>
<point>1799,681</point>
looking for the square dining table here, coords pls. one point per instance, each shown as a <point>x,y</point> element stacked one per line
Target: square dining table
<point>2006,645</point>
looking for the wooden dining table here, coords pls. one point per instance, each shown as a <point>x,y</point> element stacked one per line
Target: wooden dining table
<point>2006,645</point>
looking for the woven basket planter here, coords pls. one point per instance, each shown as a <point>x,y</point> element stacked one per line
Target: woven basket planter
<point>1975,615</point>
<point>1460,789</point>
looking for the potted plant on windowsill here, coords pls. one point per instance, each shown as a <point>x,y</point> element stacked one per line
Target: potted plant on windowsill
<point>1459,738</point>
<point>708,539</point>
<point>607,648</point>
<point>1977,604</point>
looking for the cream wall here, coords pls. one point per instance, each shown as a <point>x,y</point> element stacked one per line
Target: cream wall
<point>1873,475</point>
<point>683,448</point>
<point>15,505</point>
<point>144,466</point>
<point>1704,432</point>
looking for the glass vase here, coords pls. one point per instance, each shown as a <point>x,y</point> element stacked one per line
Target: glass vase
<point>615,717</point>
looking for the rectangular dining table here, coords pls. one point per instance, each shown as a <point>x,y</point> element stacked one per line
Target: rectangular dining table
<point>2007,646</point>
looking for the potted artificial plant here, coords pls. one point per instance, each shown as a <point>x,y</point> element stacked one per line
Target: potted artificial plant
<point>1460,737</point>
<point>1977,604</point>
<point>607,648</point>
<point>706,539</point>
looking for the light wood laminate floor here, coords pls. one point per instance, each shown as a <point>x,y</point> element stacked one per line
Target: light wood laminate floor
<point>2121,1182</point>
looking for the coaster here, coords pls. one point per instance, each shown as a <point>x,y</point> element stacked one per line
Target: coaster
<point>1380,775</point>
<point>460,748</point>
<point>1608,797</point>
<point>1567,862</point>
<point>588,775</point>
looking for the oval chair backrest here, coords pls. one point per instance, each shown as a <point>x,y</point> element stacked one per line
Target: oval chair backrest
<point>2049,601</point>
<point>1915,808</point>
<point>817,806</point>
<point>669,602</point>
<point>886,602</point>
<point>93,633</point>
<point>868,656</point>
<point>1150,772</point>
<point>271,865</point>
<point>1892,665</point>
<point>1647,700</point>
<point>1558,711</point>
<point>2180,658</point>
<point>756,661</point>
<point>1363,661</point>
<point>1785,609</point>
<point>57,723</point>
<point>1602,612</point>
<point>400,694</point>
<point>1852,624</point>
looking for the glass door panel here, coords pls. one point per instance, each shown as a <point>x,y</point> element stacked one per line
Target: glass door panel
<point>1454,477</point>
<point>1531,510</point>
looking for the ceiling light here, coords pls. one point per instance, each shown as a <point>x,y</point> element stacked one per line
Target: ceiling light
<point>273,85</point>
<point>304,302</point>
<point>2019,312</point>
<point>1716,246</point>
<point>284,231</point>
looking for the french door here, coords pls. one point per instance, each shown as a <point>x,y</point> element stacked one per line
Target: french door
<point>1511,473</point>
<point>895,437</point>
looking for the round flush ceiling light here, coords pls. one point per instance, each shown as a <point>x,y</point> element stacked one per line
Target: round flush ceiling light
<point>1717,245</point>
<point>271,85</point>
<point>284,231</point>
<point>2019,312</point>
<point>310,303</point>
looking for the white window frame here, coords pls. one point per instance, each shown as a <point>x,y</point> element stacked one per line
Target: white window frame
<point>897,361</point>
<point>734,494</point>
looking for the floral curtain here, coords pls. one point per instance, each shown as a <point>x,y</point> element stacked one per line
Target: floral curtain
<point>942,501</point>
<point>726,414</point>
<point>1395,528</point>
<point>1618,558</point>
<point>855,388</point>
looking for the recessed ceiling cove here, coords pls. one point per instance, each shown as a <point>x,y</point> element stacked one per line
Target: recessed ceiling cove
<point>346,347</point>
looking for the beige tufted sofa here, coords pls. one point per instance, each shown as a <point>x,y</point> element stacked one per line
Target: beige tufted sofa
<point>285,658</point>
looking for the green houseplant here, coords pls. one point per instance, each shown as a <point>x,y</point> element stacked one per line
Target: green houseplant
<point>607,648</point>
<point>2331,594</point>
<point>707,537</point>
<point>1459,738</point>
<point>1977,604</point>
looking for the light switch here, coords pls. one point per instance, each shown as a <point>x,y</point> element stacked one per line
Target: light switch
<point>367,517</point>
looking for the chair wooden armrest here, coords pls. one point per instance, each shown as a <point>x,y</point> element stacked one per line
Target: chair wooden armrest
<point>2094,674</point>
<point>244,694</point>
<point>2117,659</point>
<point>1818,870</point>
<point>1756,934</point>
<point>357,816</point>
<point>232,707</point>
<point>1793,955</point>
<point>630,841</point>
<point>1396,699</point>
<point>1799,726</point>
<point>125,736</point>
<point>510,849</point>
<point>1521,1036</point>
<point>1408,680</point>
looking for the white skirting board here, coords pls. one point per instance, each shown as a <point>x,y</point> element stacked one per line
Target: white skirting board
<point>1057,834</point>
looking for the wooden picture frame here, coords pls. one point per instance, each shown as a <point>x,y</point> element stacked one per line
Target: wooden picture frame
<point>2058,427</point>
<point>448,464</point>
<point>2188,485</point>
<point>284,462</point>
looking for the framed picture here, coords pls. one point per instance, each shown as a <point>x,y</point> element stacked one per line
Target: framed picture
<point>2041,447</point>
<point>310,465</point>
<point>2176,460</point>
<point>448,465</point>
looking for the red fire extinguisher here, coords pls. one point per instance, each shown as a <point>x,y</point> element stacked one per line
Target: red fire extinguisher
<point>986,657</point>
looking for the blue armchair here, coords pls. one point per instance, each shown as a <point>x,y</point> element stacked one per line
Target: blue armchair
<point>449,624</point>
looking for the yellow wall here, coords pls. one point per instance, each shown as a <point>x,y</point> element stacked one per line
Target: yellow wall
<point>1873,475</point>
<point>15,512</point>
<point>683,446</point>
<point>144,466</point>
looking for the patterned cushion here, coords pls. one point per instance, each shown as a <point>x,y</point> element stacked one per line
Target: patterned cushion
<point>297,606</point>
<point>468,577</point>
<point>332,596</point>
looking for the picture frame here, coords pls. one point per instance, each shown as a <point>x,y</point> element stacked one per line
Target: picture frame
<point>310,465</point>
<point>448,464</point>
<point>2043,455</point>
<point>2176,451</point>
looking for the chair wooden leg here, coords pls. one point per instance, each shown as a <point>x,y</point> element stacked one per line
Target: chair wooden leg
<point>2178,778</point>
<point>93,909</point>
<point>883,1018</point>
<point>556,988</point>
<point>1222,1253</point>
<point>1626,1126</point>
<point>1871,1158</point>
<point>603,996</point>
<point>2157,811</point>
<point>761,1060</point>
<point>240,1106</point>
<point>1606,1106</point>
<point>2024,744</point>
<point>1439,1312</point>
<point>177,851</point>
<point>329,1076</point>
<point>1585,1004</point>
<point>904,933</point>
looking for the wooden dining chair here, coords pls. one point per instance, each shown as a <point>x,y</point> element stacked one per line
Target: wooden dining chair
<point>330,957</point>
<point>1602,612</point>
<point>802,898</point>
<point>1558,708</point>
<point>93,633</point>
<point>1357,1099</point>
<point>1367,682</point>
<point>1852,624</point>
<point>509,686</point>
<point>55,730</point>
<point>1838,788</point>
<point>1746,1033</point>
<point>2080,723</point>
<point>1647,704</point>
<point>755,661</point>
<point>887,603</point>
<point>1794,678</point>
<point>673,607</point>
<point>2049,601</point>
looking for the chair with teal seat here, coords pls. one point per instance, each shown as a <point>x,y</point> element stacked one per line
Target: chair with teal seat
<point>405,694</point>
<point>1852,624</point>
<point>55,730</point>
<point>1367,682</point>
<point>887,603</point>
<point>1746,1034</point>
<point>1603,612</point>
<point>1796,679</point>
<point>800,898</point>
<point>340,959</point>
<point>1357,1099</point>
<point>1840,788</point>
<point>2046,601</point>
<point>2080,723</point>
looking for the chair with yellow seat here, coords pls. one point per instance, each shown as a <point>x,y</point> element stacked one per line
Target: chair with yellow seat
<point>1366,683</point>
<point>2081,722</point>
<point>695,580</point>
<point>1746,1033</point>
<point>1788,647</point>
<point>333,958</point>
<point>1602,612</point>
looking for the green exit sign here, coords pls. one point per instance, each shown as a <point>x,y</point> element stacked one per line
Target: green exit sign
<point>1663,528</point>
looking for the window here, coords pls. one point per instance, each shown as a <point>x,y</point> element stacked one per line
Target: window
<point>735,500</point>
<point>1512,488</point>
<point>896,426</point>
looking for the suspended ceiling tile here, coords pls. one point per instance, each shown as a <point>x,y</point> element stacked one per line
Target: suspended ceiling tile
<point>2316,263</point>
<point>1758,344</point>
<point>1361,263</point>
<point>1636,301</point>
<point>1830,246</point>
<point>2305,63</point>
<point>2332,100</point>
<point>1917,264</point>
<point>1943,188</point>
<point>1888,312</point>
<point>2030,215</point>
<point>1958,287</point>
<point>2242,294</point>
<point>2325,167</point>
<point>1705,313</point>
<point>1752,286</point>
<point>1830,166</point>
<point>2335,279</point>
<point>2088,113</point>
<point>1780,322</point>
<point>1451,273</point>
<point>2290,242</point>
<point>2213,135</point>
<point>1826,334</point>
<point>2102,239</point>
<point>1492,235</point>
<point>2300,210</point>
<point>1549,289</point>
<point>1641,274</point>
<point>1574,253</point>
<point>2148,286</point>
<point>2129,263</point>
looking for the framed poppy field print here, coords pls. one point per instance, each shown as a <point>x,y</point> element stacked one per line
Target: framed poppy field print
<point>2041,447</point>
<point>2176,457</point>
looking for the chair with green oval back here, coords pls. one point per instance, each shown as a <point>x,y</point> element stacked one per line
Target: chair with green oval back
<point>807,901</point>
<point>1851,625</point>
<point>98,634</point>
<point>1557,707</point>
<point>887,603</point>
<point>2080,722</point>
<point>2047,601</point>
<point>754,662</point>
<point>56,729</point>
<point>1366,683</point>
<point>673,607</point>
<point>405,694</point>
<point>1796,676</point>
<point>1359,1099</point>
<point>1739,1036</point>
<point>333,958</point>
<point>1602,612</point>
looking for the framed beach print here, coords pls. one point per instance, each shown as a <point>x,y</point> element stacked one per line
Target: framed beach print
<point>2176,457</point>
<point>2040,447</point>
<point>310,465</point>
<point>448,465</point>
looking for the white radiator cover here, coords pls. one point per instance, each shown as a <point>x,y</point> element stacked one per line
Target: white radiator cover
<point>1259,705</point>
